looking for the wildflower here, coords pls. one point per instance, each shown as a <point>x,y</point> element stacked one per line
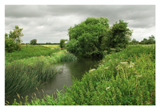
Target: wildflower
<point>124,63</point>
<point>106,67</point>
<point>107,88</point>
<point>138,75</point>
<point>91,70</point>
<point>118,67</point>
<point>131,65</point>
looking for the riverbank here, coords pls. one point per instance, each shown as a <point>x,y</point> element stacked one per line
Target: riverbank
<point>123,78</point>
<point>31,70</point>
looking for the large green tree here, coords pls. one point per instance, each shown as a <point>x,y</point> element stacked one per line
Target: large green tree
<point>118,36</point>
<point>92,36</point>
<point>86,37</point>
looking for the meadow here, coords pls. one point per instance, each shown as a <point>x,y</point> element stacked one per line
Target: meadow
<point>28,51</point>
<point>122,78</point>
<point>32,66</point>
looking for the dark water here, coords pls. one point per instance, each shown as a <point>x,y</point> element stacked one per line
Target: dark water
<point>69,70</point>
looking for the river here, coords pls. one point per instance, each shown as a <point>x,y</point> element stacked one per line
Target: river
<point>69,70</point>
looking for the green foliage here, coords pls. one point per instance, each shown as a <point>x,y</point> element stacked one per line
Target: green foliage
<point>93,36</point>
<point>25,74</point>
<point>87,36</point>
<point>16,34</point>
<point>72,46</point>
<point>12,43</point>
<point>150,40</point>
<point>62,43</point>
<point>117,36</point>
<point>134,41</point>
<point>123,78</point>
<point>33,42</point>
<point>20,77</point>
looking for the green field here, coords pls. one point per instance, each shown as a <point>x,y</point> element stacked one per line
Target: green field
<point>123,78</point>
<point>28,51</point>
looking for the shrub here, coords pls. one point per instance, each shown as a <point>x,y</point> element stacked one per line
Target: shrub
<point>12,40</point>
<point>62,43</point>
<point>33,42</point>
<point>10,45</point>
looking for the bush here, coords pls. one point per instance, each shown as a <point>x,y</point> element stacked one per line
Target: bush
<point>33,42</point>
<point>62,43</point>
<point>12,40</point>
<point>10,45</point>
<point>117,36</point>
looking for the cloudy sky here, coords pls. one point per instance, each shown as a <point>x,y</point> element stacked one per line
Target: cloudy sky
<point>50,23</point>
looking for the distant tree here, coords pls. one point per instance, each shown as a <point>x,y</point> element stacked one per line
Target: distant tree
<point>144,41</point>
<point>62,43</point>
<point>151,39</point>
<point>48,43</point>
<point>134,41</point>
<point>33,42</point>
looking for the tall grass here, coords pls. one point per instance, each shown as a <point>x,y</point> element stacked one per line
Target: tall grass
<point>20,78</point>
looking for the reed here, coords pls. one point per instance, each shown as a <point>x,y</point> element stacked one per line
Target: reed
<point>20,77</point>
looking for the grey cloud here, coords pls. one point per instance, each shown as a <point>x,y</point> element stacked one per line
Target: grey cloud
<point>54,20</point>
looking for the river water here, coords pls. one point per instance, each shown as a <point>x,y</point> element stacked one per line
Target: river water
<point>69,70</point>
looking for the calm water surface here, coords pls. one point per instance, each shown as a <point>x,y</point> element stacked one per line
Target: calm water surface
<point>69,70</point>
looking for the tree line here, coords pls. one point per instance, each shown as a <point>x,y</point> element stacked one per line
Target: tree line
<point>94,35</point>
<point>150,40</point>
<point>89,38</point>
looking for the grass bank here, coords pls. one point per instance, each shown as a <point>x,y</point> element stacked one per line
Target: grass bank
<point>24,74</point>
<point>28,51</point>
<point>123,78</point>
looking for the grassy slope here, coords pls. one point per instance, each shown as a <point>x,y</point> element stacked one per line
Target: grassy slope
<point>28,51</point>
<point>123,78</point>
<point>27,73</point>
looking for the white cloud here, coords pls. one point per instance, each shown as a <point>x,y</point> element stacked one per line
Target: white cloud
<point>141,33</point>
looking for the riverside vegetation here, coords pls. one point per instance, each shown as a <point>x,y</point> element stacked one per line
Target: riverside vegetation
<point>122,78</point>
<point>30,69</point>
